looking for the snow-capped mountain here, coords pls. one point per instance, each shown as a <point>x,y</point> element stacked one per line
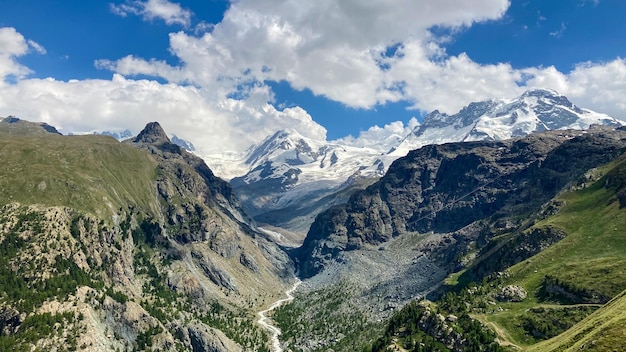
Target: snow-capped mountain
<point>534,111</point>
<point>288,169</point>
<point>288,172</point>
<point>120,135</point>
<point>182,143</point>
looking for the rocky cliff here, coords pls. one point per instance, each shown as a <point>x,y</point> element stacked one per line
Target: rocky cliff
<point>445,188</point>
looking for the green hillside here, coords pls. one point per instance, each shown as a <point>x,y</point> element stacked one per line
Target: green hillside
<point>568,284</point>
<point>135,246</point>
<point>604,330</point>
<point>96,174</point>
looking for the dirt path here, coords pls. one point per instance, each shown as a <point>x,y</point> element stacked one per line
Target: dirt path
<point>266,322</point>
<point>503,338</point>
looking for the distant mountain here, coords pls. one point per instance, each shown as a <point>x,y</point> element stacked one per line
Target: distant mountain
<point>534,111</point>
<point>183,143</point>
<point>120,136</point>
<point>289,172</point>
<point>126,134</point>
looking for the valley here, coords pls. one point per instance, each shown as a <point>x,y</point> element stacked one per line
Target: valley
<point>488,243</point>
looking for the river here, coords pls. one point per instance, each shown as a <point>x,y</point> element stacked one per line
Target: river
<point>267,323</point>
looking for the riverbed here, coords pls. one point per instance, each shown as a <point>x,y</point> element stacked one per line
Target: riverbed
<point>266,322</point>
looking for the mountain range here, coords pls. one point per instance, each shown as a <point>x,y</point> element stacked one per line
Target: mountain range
<point>292,178</point>
<point>502,232</point>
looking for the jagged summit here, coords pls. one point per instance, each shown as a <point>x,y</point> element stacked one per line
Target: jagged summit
<point>153,133</point>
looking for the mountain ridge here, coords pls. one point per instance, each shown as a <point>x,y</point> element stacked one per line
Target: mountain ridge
<point>286,166</point>
<point>123,246</point>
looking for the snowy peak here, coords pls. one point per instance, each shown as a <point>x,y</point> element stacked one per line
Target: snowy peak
<point>120,136</point>
<point>183,143</point>
<point>289,147</point>
<point>535,110</point>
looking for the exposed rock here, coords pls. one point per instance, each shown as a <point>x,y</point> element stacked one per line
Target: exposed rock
<point>150,267</point>
<point>444,188</point>
<point>10,320</point>
<point>218,275</point>
<point>153,133</point>
<point>248,261</point>
<point>205,339</point>
<point>511,293</point>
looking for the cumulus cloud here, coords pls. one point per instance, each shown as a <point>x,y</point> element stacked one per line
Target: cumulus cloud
<point>171,13</point>
<point>13,45</point>
<point>120,103</point>
<point>598,86</point>
<point>358,53</point>
<point>334,48</point>
<point>384,137</point>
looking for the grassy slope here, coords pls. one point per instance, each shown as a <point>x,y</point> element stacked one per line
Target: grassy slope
<point>96,174</point>
<point>603,330</point>
<point>592,256</point>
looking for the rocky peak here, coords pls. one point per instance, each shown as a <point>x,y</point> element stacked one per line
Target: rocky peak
<point>153,133</point>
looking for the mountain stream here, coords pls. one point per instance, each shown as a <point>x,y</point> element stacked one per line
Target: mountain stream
<point>266,322</point>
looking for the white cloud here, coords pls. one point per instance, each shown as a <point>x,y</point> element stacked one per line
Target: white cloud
<point>391,133</point>
<point>598,86</point>
<point>13,45</point>
<point>331,47</point>
<point>335,48</point>
<point>116,104</point>
<point>171,13</point>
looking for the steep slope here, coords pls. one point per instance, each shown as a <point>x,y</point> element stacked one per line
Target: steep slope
<point>444,188</point>
<point>108,246</point>
<point>567,289</point>
<point>446,208</point>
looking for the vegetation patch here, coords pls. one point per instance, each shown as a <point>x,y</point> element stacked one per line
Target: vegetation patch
<point>324,320</point>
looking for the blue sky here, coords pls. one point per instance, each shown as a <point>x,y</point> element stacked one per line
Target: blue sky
<point>224,75</point>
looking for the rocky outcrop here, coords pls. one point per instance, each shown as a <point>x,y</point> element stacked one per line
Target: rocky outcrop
<point>508,251</point>
<point>511,293</point>
<point>182,174</point>
<point>204,339</point>
<point>443,188</point>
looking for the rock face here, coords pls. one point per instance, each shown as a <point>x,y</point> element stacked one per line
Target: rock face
<point>444,188</point>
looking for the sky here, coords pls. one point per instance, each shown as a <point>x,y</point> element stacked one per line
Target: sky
<point>225,74</point>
